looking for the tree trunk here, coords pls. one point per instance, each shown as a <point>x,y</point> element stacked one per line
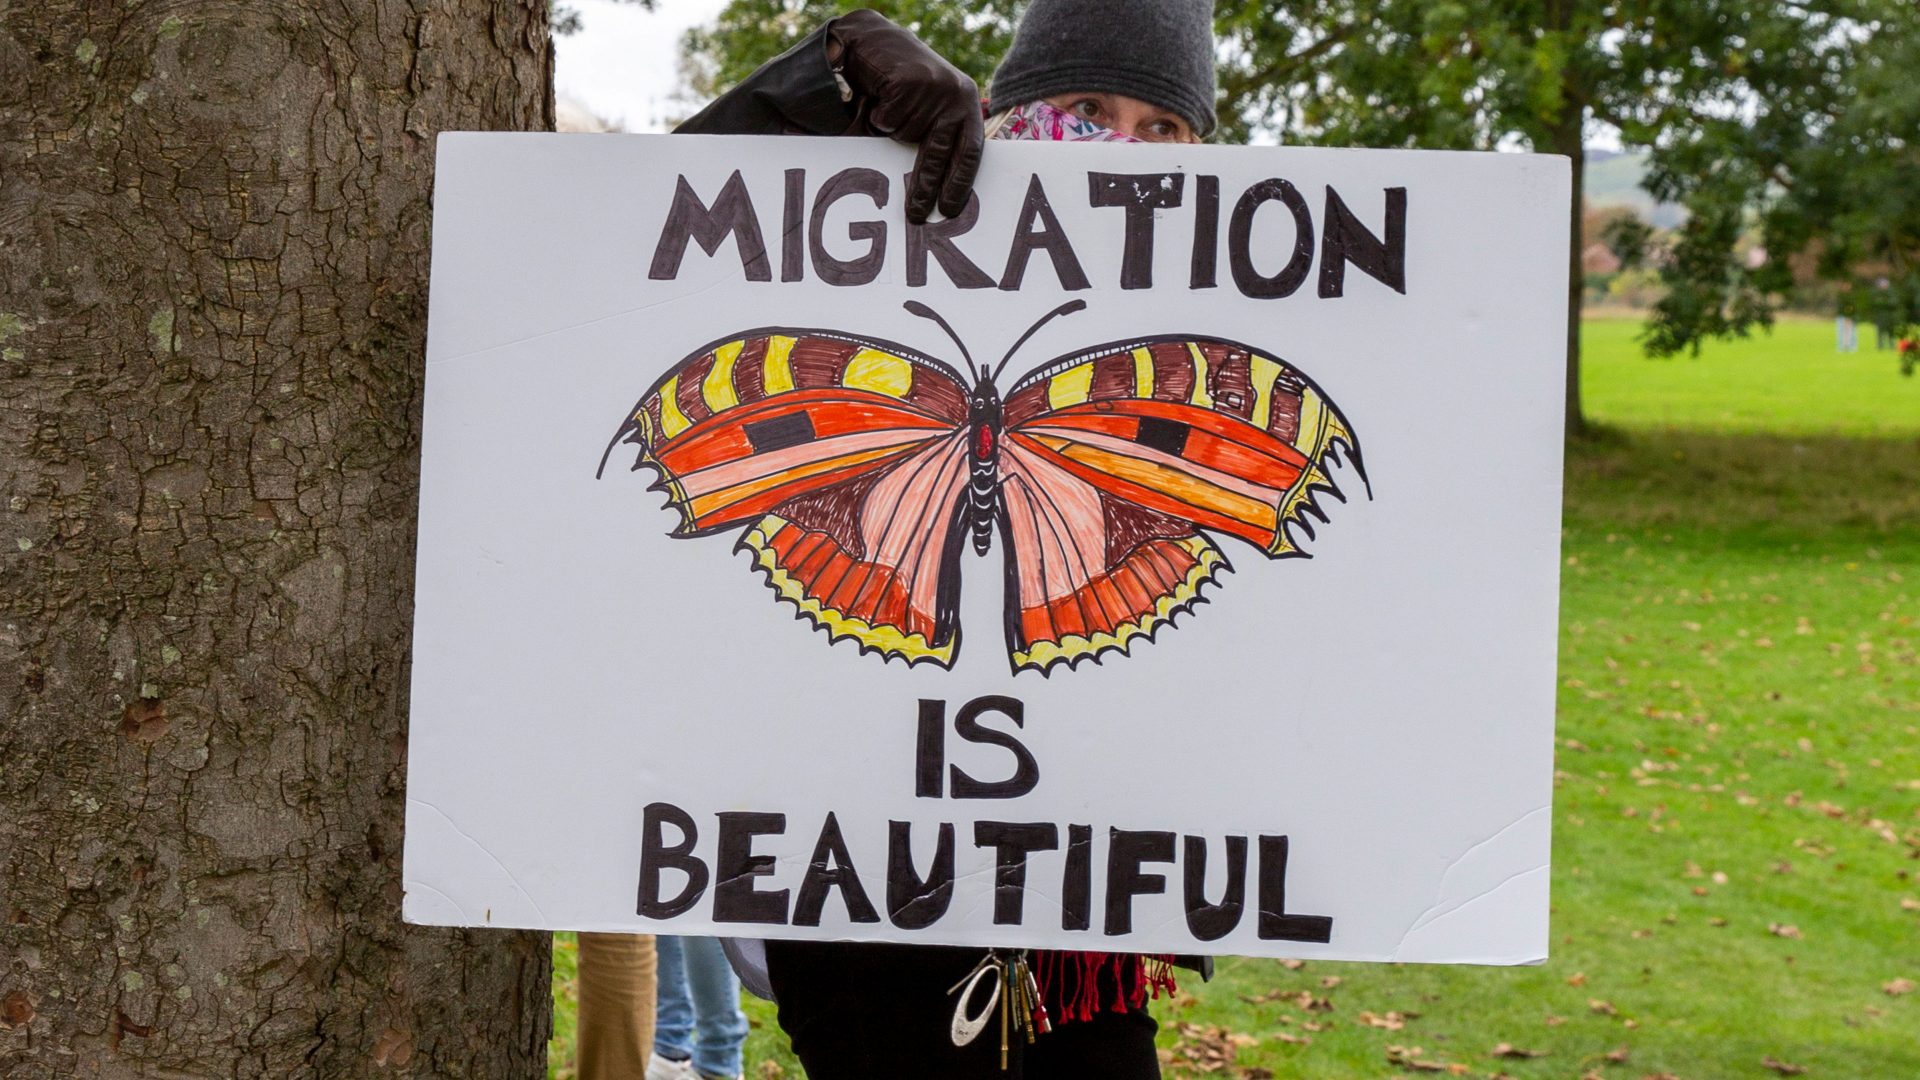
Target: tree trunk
<point>1575,285</point>
<point>1569,140</point>
<point>213,266</point>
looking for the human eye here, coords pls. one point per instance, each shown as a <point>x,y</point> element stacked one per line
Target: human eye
<point>1164,129</point>
<point>1086,108</point>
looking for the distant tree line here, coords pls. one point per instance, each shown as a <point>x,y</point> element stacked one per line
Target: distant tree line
<point>1789,122</point>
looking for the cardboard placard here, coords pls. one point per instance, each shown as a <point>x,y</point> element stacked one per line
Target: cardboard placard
<point>759,595</point>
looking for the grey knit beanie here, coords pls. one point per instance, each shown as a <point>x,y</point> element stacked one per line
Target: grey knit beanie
<point>1159,51</point>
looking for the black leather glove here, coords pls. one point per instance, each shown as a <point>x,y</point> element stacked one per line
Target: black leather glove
<point>910,93</point>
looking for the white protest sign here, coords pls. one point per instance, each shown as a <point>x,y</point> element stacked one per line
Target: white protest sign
<point>759,595</point>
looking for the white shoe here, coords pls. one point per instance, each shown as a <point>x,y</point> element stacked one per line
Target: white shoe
<point>660,1067</point>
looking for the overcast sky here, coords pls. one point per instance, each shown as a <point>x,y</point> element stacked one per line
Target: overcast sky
<point>624,65</point>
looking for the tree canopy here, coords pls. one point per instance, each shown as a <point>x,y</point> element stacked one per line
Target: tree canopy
<point>747,33</point>
<point>1786,117</point>
<point>1820,164</point>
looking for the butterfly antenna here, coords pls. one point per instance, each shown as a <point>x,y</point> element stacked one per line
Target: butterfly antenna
<point>915,307</point>
<point>1067,308</point>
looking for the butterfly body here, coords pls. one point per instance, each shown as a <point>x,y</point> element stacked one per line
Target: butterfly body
<point>983,486</point>
<point>857,470</point>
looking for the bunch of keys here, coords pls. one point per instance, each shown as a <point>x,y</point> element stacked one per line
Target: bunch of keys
<point>1014,992</point>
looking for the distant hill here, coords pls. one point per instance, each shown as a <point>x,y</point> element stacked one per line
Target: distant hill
<point>1614,179</point>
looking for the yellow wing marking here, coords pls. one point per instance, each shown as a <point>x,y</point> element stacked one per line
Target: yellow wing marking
<point>1200,395</point>
<point>777,373</point>
<point>1265,374</point>
<point>672,420</point>
<point>1143,374</point>
<point>1320,425</point>
<point>1070,387</point>
<point>1313,414</point>
<point>718,387</point>
<point>882,373</point>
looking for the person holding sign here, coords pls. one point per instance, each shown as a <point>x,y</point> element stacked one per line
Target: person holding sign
<point>862,75</point>
<point>1107,70</point>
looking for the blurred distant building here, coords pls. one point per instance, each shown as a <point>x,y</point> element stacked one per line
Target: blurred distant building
<point>571,115</point>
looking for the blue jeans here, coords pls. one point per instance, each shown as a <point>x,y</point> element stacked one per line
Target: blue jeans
<point>699,1014</point>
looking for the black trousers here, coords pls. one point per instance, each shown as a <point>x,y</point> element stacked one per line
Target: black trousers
<point>881,1012</point>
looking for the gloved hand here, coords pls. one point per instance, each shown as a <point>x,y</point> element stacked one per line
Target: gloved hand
<point>912,94</point>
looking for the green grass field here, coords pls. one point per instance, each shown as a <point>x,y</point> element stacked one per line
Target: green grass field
<point>1789,381</point>
<point>1737,814</point>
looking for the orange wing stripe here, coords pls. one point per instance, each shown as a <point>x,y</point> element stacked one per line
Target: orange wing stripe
<point>1163,490</point>
<point>1121,419</point>
<point>762,495</point>
<point>1113,603</point>
<point>832,413</point>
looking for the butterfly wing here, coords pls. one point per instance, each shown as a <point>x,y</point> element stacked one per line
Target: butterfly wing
<point>844,457</point>
<point>1116,459</point>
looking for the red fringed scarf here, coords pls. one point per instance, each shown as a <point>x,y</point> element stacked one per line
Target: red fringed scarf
<point>1076,985</point>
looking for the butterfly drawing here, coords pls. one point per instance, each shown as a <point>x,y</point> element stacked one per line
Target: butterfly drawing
<point>859,470</point>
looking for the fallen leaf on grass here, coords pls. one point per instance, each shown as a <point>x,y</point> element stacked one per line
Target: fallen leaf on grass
<point>1293,965</point>
<point>1578,978</point>
<point>771,1070</point>
<point>1329,982</point>
<point>1302,999</point>
<point>1898,987</point>
<point>1508,1050</point>
<point>1618,1055</point>
<point>1908,903</point>
<point>1781,1067</point>
<point>1555,1021</point>
<point>1414,1059</point>
<point>1392,1021</point>
<point>1208,1049</point>
<point>1604,1008</point>
<point>1785,930</point>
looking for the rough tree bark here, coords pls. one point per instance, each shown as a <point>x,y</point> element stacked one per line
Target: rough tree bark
<point>1568,140</point>
<point>213,265</point>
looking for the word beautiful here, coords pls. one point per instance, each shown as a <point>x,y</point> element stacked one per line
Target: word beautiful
<point>731,881</point>
<point>1341,238</point>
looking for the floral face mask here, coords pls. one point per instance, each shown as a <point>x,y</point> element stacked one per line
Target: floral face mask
<point>1041,122</point>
